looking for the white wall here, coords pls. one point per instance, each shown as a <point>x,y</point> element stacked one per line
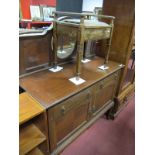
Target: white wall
<point>89,5</point>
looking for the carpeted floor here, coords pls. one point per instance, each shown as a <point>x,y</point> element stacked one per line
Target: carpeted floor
<point>107,137</point>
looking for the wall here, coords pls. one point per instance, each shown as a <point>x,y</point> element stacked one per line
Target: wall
<point>69,5</point>
<point>62,5</point>
<point>88,5</point>
<point>25,6</point>
<point>45,2</point>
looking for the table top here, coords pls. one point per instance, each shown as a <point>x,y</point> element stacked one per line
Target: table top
<point>88,23</point>
<point>50,88</point>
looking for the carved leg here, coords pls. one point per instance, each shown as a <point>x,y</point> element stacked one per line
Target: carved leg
<point>111,112</point>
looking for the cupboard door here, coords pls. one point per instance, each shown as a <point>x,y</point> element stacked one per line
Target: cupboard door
<point>104,92</point>
<point>68,116</point>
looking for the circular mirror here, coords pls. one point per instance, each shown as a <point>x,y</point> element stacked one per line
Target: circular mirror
<point>66,46</point>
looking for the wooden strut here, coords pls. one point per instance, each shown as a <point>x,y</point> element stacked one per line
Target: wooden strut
<point>80,39</point>
<point>55,40</point>
<point>80,47</point>
<point>109,43</point>
<point>84,50</point>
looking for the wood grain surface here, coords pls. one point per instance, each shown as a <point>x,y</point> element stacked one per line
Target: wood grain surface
<point>50,88</point>
<point>28,108</point>
<point>29,137</point>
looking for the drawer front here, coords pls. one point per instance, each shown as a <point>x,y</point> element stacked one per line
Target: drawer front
<point>70,114</point>
<point>64,107</point>
<point>96,34</point>
<point>104,92</point>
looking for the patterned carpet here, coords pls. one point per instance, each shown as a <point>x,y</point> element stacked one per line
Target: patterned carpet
<point>107,137</point>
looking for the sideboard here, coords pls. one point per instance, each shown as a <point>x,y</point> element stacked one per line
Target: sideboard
<point>72,108</point>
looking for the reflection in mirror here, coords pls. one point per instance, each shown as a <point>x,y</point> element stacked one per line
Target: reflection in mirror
<point>66,46</point>
<point>129,77</point>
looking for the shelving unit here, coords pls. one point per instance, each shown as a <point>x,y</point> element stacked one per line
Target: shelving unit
<point>35,151</point>
<point>30,137</point>
<point>28,108</point>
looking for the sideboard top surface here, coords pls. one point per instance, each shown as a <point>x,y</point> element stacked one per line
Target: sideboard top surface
<point>50,88</point>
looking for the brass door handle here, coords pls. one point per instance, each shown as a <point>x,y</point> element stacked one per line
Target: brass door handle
<point>63,110</point>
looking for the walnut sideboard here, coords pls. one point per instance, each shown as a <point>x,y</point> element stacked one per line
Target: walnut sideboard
<point>70,109</point>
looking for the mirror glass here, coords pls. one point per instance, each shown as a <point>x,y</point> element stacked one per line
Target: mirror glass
<point>66,46</point>
<point>129,77</point>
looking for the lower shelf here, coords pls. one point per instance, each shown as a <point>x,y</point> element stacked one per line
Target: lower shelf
<point>29,138</point>
<point>35,151</point>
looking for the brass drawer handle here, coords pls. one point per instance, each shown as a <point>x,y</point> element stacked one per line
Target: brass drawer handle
<point>63,110</point>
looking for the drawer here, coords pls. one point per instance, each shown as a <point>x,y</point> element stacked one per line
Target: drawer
<point>96,34</point>
<point>104,91</point>
<point>69,115</point>
<point>64,107</point>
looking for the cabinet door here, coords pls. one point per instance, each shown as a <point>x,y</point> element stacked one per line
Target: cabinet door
<point>104,92</point>
<point>68,116</point>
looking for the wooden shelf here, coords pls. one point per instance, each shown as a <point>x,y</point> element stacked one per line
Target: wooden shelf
<point>35,151</point>
<point>29,138</point>
<point>28,108</point>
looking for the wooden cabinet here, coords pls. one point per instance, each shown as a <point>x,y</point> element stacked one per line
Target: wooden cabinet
<point>68,116</point>
<point>104,92</point>
<point>70,109</point>
<point>33,127</point>
<point>122,44</point>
